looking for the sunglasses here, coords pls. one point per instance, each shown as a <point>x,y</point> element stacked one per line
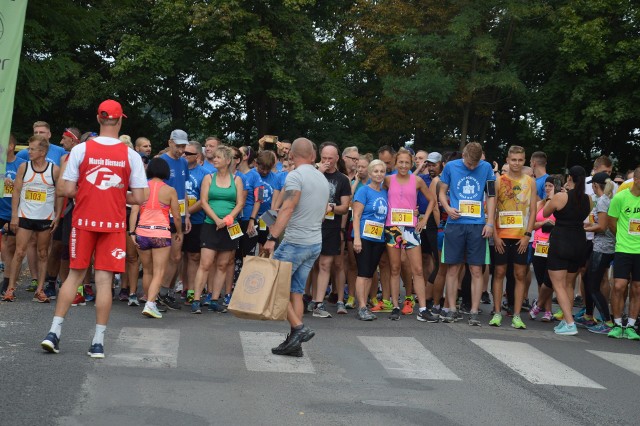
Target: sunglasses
<point>190,153</point>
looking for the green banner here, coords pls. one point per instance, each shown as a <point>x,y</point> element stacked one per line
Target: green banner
<point>12,13</point>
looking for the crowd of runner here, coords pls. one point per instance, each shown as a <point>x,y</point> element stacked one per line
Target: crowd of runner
<point>404,233</point>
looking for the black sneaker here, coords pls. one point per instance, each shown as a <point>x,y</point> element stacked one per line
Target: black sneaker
<point>526,306</point>
<point>395,314</point>
<point>578,302</point>
<point>293,342</point>
<point>448,317</point>
<point>485,299</point>
<point>51,343</point>
<point>464,309</point>
<point>169,302</point>
<point>427,316</point>
<point>473,320</point>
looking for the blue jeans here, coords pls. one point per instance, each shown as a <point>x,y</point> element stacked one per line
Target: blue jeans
<point>302,259</point>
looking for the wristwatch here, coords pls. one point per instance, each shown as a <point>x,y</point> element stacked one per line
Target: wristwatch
<point>132,233</point>
<point>271,238</point>
<point>527,234</point>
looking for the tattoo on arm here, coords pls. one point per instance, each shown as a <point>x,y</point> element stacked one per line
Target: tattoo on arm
<point>289,194</point>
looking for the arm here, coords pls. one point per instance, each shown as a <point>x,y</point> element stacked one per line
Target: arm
<point>558,201</point>
<point>358,207</point>
<point>133,218</point>
<point>136,196</point>
<point>491,212</point>
<point>601,226</point>
<point>289,202</point>
<point>612,223</point>
<point>175,211</point>
<point>239,198</point>
<point>15,199</point>
<point>251,230</point>
<point>343,208</point>
<point>433,188</point>
<point>422,187</point>
<point>453,213</point>
<point>275,199</point>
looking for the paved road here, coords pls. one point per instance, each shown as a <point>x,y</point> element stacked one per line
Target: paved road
<point>216,369</point>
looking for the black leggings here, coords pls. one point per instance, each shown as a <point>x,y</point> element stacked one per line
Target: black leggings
<point>540,270</point>
<point>369,257</point>
<point>596,268</point>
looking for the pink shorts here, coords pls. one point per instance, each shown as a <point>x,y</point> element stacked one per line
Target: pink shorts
<point>109,249</point>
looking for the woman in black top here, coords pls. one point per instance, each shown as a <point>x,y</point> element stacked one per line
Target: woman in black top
<point>567,243</point>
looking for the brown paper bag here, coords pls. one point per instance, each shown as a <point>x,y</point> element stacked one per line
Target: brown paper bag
<point>262,290</point>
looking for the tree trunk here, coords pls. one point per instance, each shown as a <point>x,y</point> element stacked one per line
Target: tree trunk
<point>466,108</point>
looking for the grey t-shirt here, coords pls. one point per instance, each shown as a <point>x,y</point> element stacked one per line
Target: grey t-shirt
<point>603,242</point>
<point>304,227</point>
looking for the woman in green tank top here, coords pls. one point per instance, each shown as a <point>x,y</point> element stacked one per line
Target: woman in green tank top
<point>222,200</point>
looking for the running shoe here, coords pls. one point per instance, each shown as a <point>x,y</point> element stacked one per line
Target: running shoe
<point>448,317</point>
<point>50,290</point>
<point>79,300</point>
<point>169,302</point>
<point>207,299</point>
<point>496,320</point>
<point>395,314</point>
<point>306,299</point>
<point>526,306</point>
<point>616,332</point>
<point>151,310</point>
<point>485,299</point>
<point>566,329</point>
<point>383,306</point>
<point>534,311</point>
<point>407,307</point>
<point>374,301</point>
<point>516,322</point>
<point>214,307</point>
<point>365,314</point>
<point>630,333</point>
<point>133,300</point>
<point>9,295</point>
<point>189,297</point>
<point>320,311</point>
<point>559,315</point>
<point>473,320</point>
<point>227,299</point>
<point>311,306</point>
<point>584,321</point>
<point>600,328</point>
<point>51,343</point>
<point>179,287</point>
<point>547,317</point>
<point>40,297</point>
<point>195,307</point>
<point>578,302</point>
<point>89,295</point>
<point>123,296</point>
<point>96,351</point>
<point>33,286</point>
<point>427,316</point>
<point>341,309</point>
<point>464,309</point>
<point>351,302</point>
<point>436,311</point>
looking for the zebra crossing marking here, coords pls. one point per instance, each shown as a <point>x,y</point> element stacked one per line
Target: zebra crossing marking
<point>256,347</point>
<point>145,347</point>
<point>629,362</point>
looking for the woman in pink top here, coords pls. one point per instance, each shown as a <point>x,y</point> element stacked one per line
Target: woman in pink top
<point>540,247</point>
<point>152,235</point>
<point>402,230</point>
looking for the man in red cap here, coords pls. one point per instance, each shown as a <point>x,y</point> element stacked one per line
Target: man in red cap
<point>98,174</point>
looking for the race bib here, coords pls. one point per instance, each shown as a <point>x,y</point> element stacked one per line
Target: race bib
<point>8,191</point>
<point>235,231</point>
<point>35,196</point>
<point>469,208</point>
<point>262,225</point>
<point>510,219</point>
<point>330,215</point>
<point>191,200</point>
<point>402,217</point>
<point>373,229</point>
<point>634,226</point>
<point>182,207</point>
<point>542,249</point>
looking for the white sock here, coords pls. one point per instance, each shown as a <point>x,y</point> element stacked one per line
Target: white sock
<point>56,326</point>
<point>631,322</point>
<point>618,321</point>
<point>99,336</point>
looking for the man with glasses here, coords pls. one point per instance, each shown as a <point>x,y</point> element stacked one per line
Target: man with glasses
<point>179,167</point>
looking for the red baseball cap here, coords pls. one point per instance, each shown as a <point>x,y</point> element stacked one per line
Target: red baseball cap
<point>110,109</point>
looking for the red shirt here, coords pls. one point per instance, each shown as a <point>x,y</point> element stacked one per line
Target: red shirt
<point>102,188</point>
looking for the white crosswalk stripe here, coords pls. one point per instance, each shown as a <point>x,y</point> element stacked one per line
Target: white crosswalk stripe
<point>405,357</point>
<point>534,365</point>
<point>258,356</point>
<point>629,362</point>
<point>145,347</point>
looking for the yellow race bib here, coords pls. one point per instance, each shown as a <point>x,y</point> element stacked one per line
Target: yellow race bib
<point>469,208</point>
<point>235,231</point>
<point>542,249</point>
<point>373,229</point>
<point>634,226</point>
<point>262,225</point>
<point>192,201</point>
<point>402,217</point>
<point>8,191</point>
<point>35,196</point>
<point>510,219</point>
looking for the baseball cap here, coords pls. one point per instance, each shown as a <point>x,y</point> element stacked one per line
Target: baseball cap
<point>434,157</point>
<point>600,178</point>
<point>110,109</point>
<point>179,137</point>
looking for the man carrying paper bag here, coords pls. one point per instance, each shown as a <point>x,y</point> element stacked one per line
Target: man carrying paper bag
<point>305,199</point>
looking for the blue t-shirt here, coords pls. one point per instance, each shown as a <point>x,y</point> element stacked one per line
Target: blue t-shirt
<point>269,183</point>
<point>194,184</point>
<point>375,209</point>
<point>423,203</point>
<point>252,181</point>
<point>53,155</point>
<point>178,179</point>
<point>282,176</point>
<point>209,168</point>
<point>467,186</point>
<point>5,202</point>
<point>279,166</point>
<point>540,185</point>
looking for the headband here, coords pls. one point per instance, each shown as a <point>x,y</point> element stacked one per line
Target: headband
<point>69,134</point>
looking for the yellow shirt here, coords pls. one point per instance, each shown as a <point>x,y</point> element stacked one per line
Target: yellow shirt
<point>512,205</point>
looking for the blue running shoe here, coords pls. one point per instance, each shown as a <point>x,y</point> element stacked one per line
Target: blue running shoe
<point>96,351</point>
<point>207,300</point>
<point>227,299</point>
<point>214,307</point>
<point>601,328</point>
<point>566,329</point>
<point>50,290</point>
<point>195,307</point>
<point>50,343</point>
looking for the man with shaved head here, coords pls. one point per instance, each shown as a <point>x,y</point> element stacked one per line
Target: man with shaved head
<point>305,197</point>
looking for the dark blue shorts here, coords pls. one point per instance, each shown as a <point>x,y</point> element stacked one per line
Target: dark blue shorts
<point>464,243</point>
